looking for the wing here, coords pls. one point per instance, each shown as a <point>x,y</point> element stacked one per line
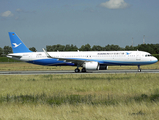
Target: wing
<point>78,61</point>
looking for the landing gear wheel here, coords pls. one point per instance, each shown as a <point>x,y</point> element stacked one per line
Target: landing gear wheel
<point>139,70</point>
<point>83,70</point>
<point>77,70</point>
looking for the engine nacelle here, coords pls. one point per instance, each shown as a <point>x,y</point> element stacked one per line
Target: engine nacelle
<point>91,65</point>
<point>94,66</point>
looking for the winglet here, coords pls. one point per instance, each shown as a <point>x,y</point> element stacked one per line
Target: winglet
<point>47,54</point>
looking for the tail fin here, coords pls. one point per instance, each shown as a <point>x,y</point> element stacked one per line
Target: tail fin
<point>17,45</point>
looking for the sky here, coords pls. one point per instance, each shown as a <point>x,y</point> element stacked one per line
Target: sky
<point>39,23</point>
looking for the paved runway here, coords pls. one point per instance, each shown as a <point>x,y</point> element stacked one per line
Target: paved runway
<point>72,72</point>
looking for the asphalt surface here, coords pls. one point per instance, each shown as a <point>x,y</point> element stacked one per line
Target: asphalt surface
<point>72,72</point>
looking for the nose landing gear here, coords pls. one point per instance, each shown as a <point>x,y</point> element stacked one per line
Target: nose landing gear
<point>139,70</point>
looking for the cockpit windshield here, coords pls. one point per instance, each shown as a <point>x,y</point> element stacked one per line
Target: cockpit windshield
<point>148,55</point>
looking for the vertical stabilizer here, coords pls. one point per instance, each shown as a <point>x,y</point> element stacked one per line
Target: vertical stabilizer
<point>17,45</point>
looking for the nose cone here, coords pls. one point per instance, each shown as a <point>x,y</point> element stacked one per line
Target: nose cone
<point>155,59</point>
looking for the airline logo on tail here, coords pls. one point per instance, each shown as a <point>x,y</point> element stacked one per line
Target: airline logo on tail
<point>15,45</point>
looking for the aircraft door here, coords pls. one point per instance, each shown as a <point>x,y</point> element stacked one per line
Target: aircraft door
<point>138,56</point>
<point>30,57</point>
<point>26,57</point>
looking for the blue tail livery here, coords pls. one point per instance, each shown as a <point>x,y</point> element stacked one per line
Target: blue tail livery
<point>17,45</point>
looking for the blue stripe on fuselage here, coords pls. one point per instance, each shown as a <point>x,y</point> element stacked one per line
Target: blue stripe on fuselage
<point>56,62</point>
<point>129,63</point>
<point>50,62</point>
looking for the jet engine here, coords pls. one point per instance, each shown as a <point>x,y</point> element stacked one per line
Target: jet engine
<point>94,66</point>
<point>91,65</point>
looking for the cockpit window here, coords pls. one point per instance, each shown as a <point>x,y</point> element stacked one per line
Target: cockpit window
<point>148,55</point>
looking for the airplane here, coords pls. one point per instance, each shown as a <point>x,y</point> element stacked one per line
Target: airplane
<point>88,60</point>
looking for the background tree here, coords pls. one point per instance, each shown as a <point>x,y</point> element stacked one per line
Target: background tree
<point>107,48</point>
<point>70,47</point>
<point>74,47</point>
<point>86,47</point>
<point>97,48</point>
<point>57,47</point>
<point>112,48</point>
<point>130,48</point>
<point>156,48</point>
<point>1,52</point>
<point>151,48</point>
<point>33,49</point>
<point>49,48</point>
<point>146,47</point>
<point>115,48</point>
<point>7,50</point>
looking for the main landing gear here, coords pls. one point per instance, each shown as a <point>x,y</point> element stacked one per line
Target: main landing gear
<point>139,70</point>
<point>83,70</point>
<point>77,70</point>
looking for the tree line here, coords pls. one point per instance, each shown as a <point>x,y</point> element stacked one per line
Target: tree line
<point>151,48</point>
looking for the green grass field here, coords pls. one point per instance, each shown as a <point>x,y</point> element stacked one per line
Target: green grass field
<point>80,96</point>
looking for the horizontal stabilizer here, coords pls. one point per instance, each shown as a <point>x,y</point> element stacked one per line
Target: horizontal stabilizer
<point>14,56</point>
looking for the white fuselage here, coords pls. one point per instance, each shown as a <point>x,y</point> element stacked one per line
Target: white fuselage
<point>102,57</point>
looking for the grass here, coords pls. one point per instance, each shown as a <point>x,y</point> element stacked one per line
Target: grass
<point>80,96</point>
<point>80,112</point>
<point>21,66</point>
<point>5,59</point>
<point>90,83</point>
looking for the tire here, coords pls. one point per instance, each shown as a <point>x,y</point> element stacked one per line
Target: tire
<point>77,70</point>
<point>83,70</point>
